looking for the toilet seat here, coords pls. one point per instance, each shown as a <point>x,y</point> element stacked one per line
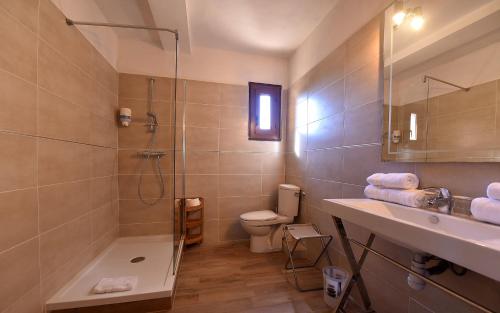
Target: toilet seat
<point>264,218</point>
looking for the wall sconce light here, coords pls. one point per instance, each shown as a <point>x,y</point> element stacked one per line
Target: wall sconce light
<point>414,15</point>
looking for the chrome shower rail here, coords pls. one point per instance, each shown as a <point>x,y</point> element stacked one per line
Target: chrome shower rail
<point>173,31</point>
<point>426,77</point>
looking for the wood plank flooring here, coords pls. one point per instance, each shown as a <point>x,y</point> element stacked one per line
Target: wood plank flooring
<point>232,279</point>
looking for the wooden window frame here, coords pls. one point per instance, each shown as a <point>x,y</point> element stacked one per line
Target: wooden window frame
<point>254,91</point>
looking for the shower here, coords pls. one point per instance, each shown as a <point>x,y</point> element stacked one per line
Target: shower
<point>149,153</point>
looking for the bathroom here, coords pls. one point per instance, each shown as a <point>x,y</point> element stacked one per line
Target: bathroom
<point>134,155</point>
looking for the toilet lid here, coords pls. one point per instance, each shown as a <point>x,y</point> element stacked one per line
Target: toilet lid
<point>265,215</point>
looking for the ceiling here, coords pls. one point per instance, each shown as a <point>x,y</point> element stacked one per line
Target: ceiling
<point>265,27</point>
<point>261,26</point>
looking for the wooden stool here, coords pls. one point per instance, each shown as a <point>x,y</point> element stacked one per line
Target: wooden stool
<point>194,223</point>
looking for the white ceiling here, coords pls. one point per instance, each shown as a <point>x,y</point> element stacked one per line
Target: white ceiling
<point>274,27</point>
<point>268,27</point>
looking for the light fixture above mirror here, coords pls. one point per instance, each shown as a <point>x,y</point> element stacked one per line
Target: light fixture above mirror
<point>402,14</point>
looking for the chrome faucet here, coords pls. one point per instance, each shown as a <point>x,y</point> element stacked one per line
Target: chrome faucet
<point>442,201</point>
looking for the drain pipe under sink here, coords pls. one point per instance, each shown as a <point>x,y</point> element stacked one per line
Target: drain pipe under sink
<point>418,265</point>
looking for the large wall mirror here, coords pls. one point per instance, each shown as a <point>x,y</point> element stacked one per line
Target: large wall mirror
<point>442,81</point>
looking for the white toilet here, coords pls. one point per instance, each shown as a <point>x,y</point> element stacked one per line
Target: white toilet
<point>265,227</point>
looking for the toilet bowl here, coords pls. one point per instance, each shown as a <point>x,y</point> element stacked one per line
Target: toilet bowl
<point>266,227</point>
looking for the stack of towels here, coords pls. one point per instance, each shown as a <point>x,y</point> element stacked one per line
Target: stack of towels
<point>398,188</point>
<point>488,209</point>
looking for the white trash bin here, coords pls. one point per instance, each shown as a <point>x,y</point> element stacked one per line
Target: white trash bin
<point>335,281</point>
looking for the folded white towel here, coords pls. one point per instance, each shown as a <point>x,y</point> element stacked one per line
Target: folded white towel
<point>485,209</point>
<point>117,284</point>
<point>394,180</point>
<point>493,191</point>
<point>411,197</point>
<point>193,202</point>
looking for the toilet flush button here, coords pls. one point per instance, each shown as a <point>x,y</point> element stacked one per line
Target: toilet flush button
<point>433,219</point>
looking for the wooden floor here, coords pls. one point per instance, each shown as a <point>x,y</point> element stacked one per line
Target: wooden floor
<point>232,279</point>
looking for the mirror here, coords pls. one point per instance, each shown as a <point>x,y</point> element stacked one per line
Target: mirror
<point>442,81</point>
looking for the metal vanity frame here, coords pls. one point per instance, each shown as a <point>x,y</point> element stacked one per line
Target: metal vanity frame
<point>355,267</point>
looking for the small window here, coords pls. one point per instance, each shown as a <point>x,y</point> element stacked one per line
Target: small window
<point>413,126</point>
<point>264,122</point>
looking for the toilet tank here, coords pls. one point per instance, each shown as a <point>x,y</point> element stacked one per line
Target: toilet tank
<point>288,200</point>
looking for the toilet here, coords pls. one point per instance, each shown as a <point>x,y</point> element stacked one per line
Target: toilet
<point>265,227</point>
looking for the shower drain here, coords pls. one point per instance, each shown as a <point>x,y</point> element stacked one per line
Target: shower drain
<point>137,259</point>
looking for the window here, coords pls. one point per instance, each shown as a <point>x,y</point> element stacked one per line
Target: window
<point>264,121</point>
<point>413,126</point>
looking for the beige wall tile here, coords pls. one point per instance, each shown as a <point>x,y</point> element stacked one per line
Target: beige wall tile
<point>60,161</point>
<point>25,11</point>
<point>103,132</point>
<point>145,229</point>
<point>17,161</point>
<point>273,163</point>
<point>237,140</point>
<point>104,162</point>
<point>364,46</point>
<point>101,191</point>
<point>326,102</point>
<point>18,217</point>
<point>20,272</point>
<point>61,203</point>
<point>328,70</point>
<point>30,302</point>
<point>240,163</point>
<point>326,133</point>
<point>105,73</point>
<point>233,207</point>
<point>203,92</point>
<point>234,117</point>
<point>234,95</point>
<point>201,162</point>
<point>202,185</point>
<point>61,244</point>
<point>18,109</point>
<point>324,164</point>
<point>61,119</point>
<point>201,115</point>
<point>270,184</point>
<point>211,232</point>
<point>134,211</point>
<point>317,190</point>
<point>103,219</point>
<point>240,185</point>
<point>363,124</point>
<point>62,78</point>
<point>67,40</point>
<point>18,53</point>
<point>201,139</point>
<point>364,85</point>
<point>105,104</point>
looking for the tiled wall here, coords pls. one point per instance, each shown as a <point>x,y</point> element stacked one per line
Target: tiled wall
<point>233,174</point>
<point>137,218</point>
<point>334,143</point>
<point>58,135</point>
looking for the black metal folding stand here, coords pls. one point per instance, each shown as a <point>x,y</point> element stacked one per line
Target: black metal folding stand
<point>355,267</point>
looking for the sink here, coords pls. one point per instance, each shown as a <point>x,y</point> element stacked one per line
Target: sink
<point>471,244</point>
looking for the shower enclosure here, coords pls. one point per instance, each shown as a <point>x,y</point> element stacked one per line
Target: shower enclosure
<point>151,171</point>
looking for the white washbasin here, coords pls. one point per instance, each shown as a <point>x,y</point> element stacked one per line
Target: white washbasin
<point>468,243</point>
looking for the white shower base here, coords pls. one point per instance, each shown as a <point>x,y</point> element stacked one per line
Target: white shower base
<point>155,278</point>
